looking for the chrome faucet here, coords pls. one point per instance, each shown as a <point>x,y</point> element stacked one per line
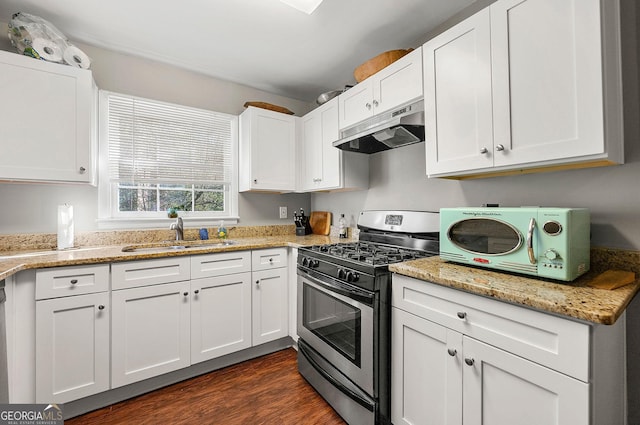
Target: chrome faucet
<point>179,228</point>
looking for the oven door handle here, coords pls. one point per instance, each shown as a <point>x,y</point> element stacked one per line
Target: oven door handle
<point>330,284</point>
<point>339,385</point>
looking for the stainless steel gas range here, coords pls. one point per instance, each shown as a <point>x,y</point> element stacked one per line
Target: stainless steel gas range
<point>344,311</point>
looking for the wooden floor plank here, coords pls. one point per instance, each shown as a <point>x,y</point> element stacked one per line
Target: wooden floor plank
<point>267,390</point>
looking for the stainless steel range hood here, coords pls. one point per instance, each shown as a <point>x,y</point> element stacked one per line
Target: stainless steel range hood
<point>399,127</point>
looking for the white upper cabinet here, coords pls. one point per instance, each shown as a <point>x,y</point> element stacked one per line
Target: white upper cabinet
<point>46,121</point>
<point>267,151</point>
<point>393,86</point>
<point>524,84</point>
<point>325,167</point>
<point>457,80</point>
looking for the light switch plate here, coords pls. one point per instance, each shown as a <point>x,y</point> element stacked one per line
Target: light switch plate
<point>283,212</point>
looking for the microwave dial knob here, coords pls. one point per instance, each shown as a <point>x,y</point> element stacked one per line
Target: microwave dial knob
<point>551,254</point>
<point>352,277</point>
<point>552,228</point>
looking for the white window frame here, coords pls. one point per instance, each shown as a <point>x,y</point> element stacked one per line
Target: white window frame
<point>108,215</point>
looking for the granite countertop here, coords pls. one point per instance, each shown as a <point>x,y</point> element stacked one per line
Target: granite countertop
<point>12,262</point>
<point>573,299</point>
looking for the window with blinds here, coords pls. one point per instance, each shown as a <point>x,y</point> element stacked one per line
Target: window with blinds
<point>164,156</point>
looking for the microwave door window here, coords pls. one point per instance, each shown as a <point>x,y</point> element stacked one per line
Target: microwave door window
<point>335,322</point>
<point>485,236</point>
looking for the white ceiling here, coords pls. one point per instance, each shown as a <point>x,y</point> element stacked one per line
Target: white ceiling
<point>260,43</point>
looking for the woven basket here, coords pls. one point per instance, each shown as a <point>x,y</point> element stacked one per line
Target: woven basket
<point>374,65</point>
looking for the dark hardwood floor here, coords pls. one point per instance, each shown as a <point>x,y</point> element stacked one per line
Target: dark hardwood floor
<point>267,390</point>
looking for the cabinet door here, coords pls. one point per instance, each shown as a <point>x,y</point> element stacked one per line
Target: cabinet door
<point>46,120</point>
<point>503,389</point>
<point>547,79</point>
<point>270,309</point>
<point>457,81</point>
<point>331,156</point>
<point>150,332</point>
<point>72,352</point>
<point>398,83</point>
<point>426,372</point>
<point>356,104</point>
<point>271,145</point>
<point>220,316</point>
<point>311,172</point>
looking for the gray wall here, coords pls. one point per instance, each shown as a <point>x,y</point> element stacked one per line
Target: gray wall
<point>140,77</point>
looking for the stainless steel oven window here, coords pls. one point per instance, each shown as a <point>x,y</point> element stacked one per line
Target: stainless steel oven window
<point>335,322</point>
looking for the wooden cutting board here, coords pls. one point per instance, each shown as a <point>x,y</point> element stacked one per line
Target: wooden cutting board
<point>320,222</point>
<point>612,279</point>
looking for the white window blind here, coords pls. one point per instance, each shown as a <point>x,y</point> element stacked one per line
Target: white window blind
<point>156,142</point>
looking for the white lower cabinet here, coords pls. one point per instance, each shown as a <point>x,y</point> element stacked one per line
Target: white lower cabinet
<point>220,304</point>
<point>269,298</point>
<point>220,316</point>
<point>150,331</point>
<point>501,388</point>
<point>270,309</point>
<point>459,358</point>
<point>72,349</point>
<point>171,313</point>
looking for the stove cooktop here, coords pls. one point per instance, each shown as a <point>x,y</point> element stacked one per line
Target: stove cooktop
<point>369,253</point>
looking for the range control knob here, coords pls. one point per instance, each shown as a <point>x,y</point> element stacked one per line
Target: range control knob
<point>305,261</point>
<point>551,254</point>
<point>314,264</point>
<point>352,277</point>
<point>342,274</point>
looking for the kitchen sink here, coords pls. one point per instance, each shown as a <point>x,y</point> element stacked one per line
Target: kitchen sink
<point>175,245</point>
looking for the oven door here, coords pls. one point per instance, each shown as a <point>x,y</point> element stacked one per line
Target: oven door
<point>336,320</point>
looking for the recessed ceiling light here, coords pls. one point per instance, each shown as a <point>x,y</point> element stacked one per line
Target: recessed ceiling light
<point>306,6</point>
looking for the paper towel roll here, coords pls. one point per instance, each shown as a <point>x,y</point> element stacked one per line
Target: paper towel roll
<point>47,49</point>
<point>65,226</point>
<point>76,57</point>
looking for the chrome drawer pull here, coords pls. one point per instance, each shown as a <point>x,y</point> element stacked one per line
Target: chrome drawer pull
<point>452,352</point>
<point>462,315</point>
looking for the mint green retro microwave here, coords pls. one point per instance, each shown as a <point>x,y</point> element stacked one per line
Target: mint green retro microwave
<point>551,243</point>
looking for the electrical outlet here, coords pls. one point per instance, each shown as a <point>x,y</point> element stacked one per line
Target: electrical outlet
<point>283,212</point>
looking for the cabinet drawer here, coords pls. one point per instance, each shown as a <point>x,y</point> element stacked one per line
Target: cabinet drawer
<point>557,343</point>
<point>265,259</point>
<point>211,265</point>
<point>76,280</point>
<point>150,272</point>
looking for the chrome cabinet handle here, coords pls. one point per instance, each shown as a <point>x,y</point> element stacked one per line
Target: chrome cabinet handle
<point>270,260</point>
<point>532,256</point>
<point>100,307</point>
<point>462,315</point>
<point>368,105</point>
<point>258,282</point>
<point>185,293</point>
<point>74,281</point>
<point>197,291</point>
<point>82,170</point>
<point>255,181</point>
<point>469,361</point>
<point>499,148</point>
<point>375,103</point>
<point>484,151</point>
<point>452,352</point>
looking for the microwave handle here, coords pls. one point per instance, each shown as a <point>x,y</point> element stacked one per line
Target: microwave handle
<point>532,256</point>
